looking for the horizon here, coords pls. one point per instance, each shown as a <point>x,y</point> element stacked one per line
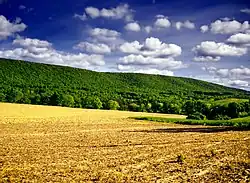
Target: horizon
<point>207,41</point>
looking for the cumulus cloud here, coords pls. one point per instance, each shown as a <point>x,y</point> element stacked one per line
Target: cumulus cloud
<point>212,51</point>
<point>240,39</point>
<point>133,27</point>
<point>148,29</point>
<point>204,28</point>
<point>97,48</point>
<point>152,56</point>
<point>152,47</point>
<point>187,24</point>
<point>92,12</point>
<point>229,27</point>
<point>9,29</point>
<point>236,73</point>
<point>104,34</point>
<point>246,10</point>
<point>120,12</point>
<point>236,77</point>
<point>27,42</point>
<point>162,22</point>
<point>238,83</point>
<point>206,59</point>
<point>42,51</point>
<point>82,17</point>
<point>140,60</point>
<point>135,69</point>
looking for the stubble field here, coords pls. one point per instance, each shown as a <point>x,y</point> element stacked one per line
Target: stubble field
<point>53,144</point>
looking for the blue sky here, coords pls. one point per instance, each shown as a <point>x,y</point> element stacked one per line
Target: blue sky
<point>207,40</point>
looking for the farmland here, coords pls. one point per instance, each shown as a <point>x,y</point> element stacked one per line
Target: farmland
<point>54,144</point>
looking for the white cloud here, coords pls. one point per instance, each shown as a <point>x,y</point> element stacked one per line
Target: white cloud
<point>246,10</point>
<point>141,60</point>
<point>152,47</point>
<point>81,17</point>
<point>240,38</point>
<point>161,16</point>
<point>236,77</point>
<point>238,83</point>
<point>229,27</point>
<point>97,48</point>
<point>8,29</point>
<point>133,27</point>
<point>134,69</point>
<point>104,34</point>
<point>204,28</point>
<point>151,55</point>
<point>235,73</point>
<point>187,24</point>
<point>27,42</point>
<point>148,29</point>
<point>133,47</point>
<point>92,12</point>
<point>120,12</point>
<point>162,22</point>
<point>216,50</point>
<point>41,51</point>
<point>238,72</point>
<point>206,59</point>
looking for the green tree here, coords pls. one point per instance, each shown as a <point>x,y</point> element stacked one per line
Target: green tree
<point>233,110</point>
<point>133,107</point>
<point>66,100</point>
<point>113,105</point>
<point>92,103</point>
<point>14,95</point>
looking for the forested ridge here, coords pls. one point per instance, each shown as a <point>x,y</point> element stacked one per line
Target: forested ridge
<point>35,83</point>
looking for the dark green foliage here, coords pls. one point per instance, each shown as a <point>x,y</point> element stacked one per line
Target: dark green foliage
<point>66,100</point>
<point>239,122</point>
<point>34,83</point>
<point>113,105</point>
<point>92,102</point>
<point>197,116</point>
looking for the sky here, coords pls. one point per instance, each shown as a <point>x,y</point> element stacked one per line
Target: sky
<point>206,40</point>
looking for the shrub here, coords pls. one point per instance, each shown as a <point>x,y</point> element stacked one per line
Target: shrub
<point>113,105</point>
<point>197,116</point>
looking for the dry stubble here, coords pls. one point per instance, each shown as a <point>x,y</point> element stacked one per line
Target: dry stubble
<point>53,144</point>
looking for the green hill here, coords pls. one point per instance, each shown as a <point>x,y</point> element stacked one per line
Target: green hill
<point>28,74</point>
<point>35,83</point>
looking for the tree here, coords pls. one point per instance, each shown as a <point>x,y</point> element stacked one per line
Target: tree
<point>233,110</point>
<point>133,107</point>
<point>66,100</point>
<point>14,95</point>
<point>113,105</point>
<point>189,107</point>
<point>196,116</point>
<point>92,103</point>
<point>2,97</point>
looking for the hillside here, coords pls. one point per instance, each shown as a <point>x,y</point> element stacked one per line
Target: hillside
<point>41,84</point>
<point>27,74</point>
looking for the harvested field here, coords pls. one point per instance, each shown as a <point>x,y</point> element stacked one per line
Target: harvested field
<point>53,144</point>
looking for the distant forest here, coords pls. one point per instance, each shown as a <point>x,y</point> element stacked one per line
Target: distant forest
<point>34,83</point>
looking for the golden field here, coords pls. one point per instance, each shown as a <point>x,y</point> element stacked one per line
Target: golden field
<point>54,144</point>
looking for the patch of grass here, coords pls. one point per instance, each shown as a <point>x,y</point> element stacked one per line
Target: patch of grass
<point>239,122</point>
